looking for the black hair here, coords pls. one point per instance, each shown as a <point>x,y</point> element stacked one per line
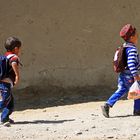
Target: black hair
<point>132,34</point>
<point>11,43</point>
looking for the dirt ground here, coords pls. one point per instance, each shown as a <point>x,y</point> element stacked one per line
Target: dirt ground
<point>83,121</point>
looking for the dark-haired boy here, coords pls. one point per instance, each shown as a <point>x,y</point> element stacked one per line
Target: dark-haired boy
<point>130,74</point>
<point>12,45</point>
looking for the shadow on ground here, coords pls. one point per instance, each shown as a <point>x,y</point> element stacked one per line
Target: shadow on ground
<point>40,97</point>
<point>43,122</point>
<point>123,116</point>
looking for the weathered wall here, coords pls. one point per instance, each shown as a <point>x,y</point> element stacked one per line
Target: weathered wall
<point>67,42</point>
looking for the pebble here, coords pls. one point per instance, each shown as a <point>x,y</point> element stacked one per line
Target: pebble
<point>65,137</point>
<point>79,133</point>
<point>93,127</point>
<point>110,137</point>
<point>44,110</point>
<point>115,128</point>
<point>94,115</point>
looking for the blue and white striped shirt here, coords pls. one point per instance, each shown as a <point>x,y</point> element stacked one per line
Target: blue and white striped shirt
<point>133,62</point>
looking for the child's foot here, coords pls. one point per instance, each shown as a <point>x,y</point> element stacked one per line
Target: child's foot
<point>136,113</point>
<point>105,110</point>
<point>7,124</point>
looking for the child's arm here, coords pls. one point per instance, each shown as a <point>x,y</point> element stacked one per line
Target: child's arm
<point>132,60</point>
<point>16,70</point>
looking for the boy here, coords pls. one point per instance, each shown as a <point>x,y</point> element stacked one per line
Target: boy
<point>12,45</point>
<point>130,74</point>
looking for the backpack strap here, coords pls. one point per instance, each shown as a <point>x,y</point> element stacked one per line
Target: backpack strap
<point>10,56</point>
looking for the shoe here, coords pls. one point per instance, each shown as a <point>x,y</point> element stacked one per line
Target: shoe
<point>7,124</point>
<point>136,113</point>
<point>105,110</point>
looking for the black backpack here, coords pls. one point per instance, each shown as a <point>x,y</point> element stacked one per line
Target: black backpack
<point>4,66</point>
<point>120,59</point>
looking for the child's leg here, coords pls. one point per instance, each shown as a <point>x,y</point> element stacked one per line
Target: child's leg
<point>11,105</point>
<point>124,83</point>
<point>117,95</point>
<point>123,87</point>
<point>137,107</point>
<point>6,100</point>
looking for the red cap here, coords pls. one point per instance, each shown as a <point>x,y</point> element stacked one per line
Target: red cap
<point>127,31</point>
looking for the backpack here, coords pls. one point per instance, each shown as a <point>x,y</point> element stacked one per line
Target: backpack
<point>120,59</point>
<point>4,66</point>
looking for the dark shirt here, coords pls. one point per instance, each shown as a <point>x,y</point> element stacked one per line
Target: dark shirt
<point>13,58</point>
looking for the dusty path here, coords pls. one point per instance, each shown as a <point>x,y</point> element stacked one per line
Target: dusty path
<point>74,122</point>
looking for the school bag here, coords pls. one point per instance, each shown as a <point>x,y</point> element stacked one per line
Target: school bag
<point>4,66</point>
<point>120,59</point>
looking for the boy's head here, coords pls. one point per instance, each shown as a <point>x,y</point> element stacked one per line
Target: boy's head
<point>12,43</point>
<point>127,32</point>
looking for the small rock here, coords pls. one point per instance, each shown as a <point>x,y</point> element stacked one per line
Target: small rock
<point>93,127</point>
<point>65,137</point>
<point>94,115</point>
<point>79,133</point>
<point>114,128</point>
<point>110,137</point>
<point>44,110</point>
<point>18,129</point>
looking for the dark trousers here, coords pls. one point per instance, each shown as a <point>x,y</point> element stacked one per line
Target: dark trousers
<point>137,105</point>
<point>6,102</point>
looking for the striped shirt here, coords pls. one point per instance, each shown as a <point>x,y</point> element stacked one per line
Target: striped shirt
<point>11,77</point>
<point>133,62</point>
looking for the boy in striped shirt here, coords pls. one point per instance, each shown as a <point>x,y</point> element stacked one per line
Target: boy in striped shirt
<point>12,46</point>
<point>130,74</point>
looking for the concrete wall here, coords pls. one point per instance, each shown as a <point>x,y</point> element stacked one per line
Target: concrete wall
<point>67,42</point>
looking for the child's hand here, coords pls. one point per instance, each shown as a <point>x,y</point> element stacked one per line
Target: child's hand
<point>16,80</point>
<point>137,78</point>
